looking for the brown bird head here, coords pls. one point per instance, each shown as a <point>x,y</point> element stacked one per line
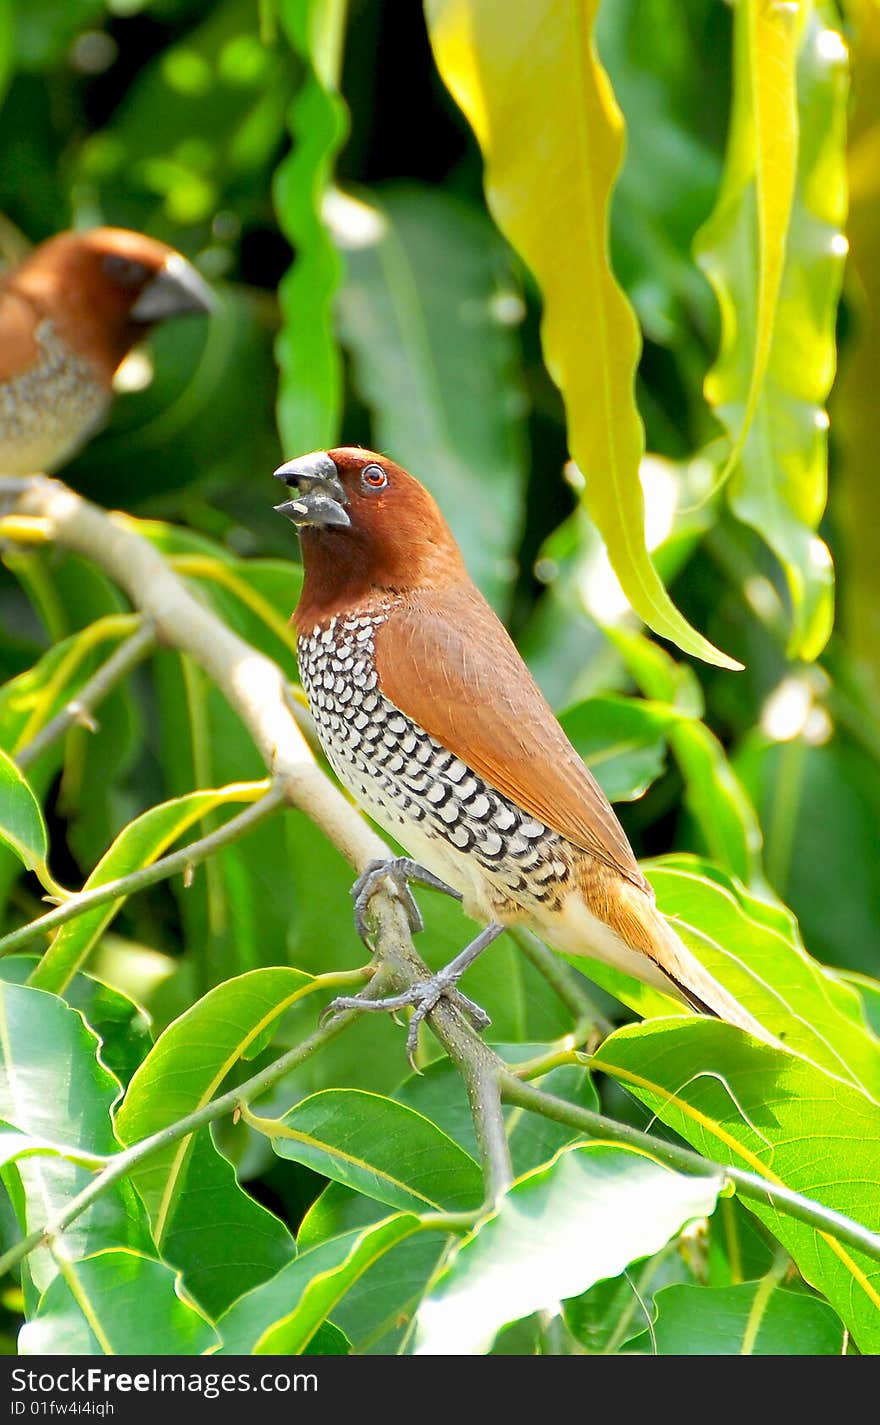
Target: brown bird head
<point>367,528</point>
<point>102,289</point>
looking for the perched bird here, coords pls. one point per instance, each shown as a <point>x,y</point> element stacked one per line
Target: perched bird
<point>431,719</point>
<point>69,313</point>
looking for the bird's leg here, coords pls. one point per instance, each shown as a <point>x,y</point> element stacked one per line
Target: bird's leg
<point>400,871</point>
<point>424,995</point>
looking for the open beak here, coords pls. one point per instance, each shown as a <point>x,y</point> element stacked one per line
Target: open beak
<point>175,290</point>
<point>319,497</point>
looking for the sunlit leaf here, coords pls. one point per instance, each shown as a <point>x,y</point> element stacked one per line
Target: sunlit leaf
<point>380,1148</point>
<point>44,1044</point>
<point>752,1319</point>
<point>552,151</point>
<point>778,1115</point>
<point>22,827</point>
<point>116,1303</point>
<point>778,332</point>
<point>189,1188</point>
<point>585,1216</point>
<point>282,1316</point>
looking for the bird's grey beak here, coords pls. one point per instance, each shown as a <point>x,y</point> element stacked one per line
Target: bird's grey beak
<point>175,290</point>
<point>320,495</point>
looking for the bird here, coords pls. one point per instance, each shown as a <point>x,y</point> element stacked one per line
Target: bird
<point>70,312</point>
<point>432,721</point>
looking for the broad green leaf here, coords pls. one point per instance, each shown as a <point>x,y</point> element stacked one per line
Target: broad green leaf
<point>622,741</point>
<point>778,318</point>
<point>377,1308</point>
<point>310,394</point>
<point>778,1115</point>
<point>121,1025</point>
<point>223,1241</point>
<point>380,1148</point>
<point>753,1319</point>
<point>139,844</point>
<point>755,950</point>
<point>189,1188</point>
<point>585,1216</point>
<point>552,151</point>
<point>305,1293</point>
<point>425,310</point>
<point>22,827</point>
<point>116,1303</point>
<point>45,1044</point>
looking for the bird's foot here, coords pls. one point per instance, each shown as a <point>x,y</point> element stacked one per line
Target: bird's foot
<point>400,871</point>
<point>422,998</point>
<point>425,995</point>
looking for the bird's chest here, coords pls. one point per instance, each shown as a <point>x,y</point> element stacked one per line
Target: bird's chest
<point>419,791</point>
<point>49,409</point>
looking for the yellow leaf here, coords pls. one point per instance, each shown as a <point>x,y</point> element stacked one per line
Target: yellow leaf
<point>528,79</point>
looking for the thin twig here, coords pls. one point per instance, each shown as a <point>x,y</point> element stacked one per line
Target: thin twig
<point>93,691</point>
<point>160,870</point>
<point>751,1185</point>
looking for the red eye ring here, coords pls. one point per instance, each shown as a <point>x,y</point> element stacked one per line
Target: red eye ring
<point>374,477</point>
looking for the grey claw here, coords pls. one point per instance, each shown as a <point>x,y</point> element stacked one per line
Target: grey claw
<point>400,871</point>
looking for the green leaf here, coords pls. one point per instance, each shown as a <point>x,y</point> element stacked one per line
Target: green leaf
<point>139,844</point>
<point>189,1188</point>
<point>754,949</point>
<point>552,152</point>
<point>44,1044</point>
<point>310,389</point>
<point>121,1025</point>
<point>752,1319</point>
<point>22,827</point>
<point>622,741</point>
<point>585,1216</point>
<point>714,795</point>
<point>380,1148</point>
<point>283,1315</point>
<point>778,334</point>
<point>776,1114</point>
<point>425,310</point>
<point>116,1303</point>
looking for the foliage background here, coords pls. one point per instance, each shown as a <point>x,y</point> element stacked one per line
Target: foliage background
<point>405,322</point>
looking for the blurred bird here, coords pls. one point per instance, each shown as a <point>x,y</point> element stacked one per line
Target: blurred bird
<point>430,718</point>
<point>70,312</point>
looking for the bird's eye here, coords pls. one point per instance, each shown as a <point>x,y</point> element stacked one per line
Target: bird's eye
<point>374,477</point>
<point>124,270</point>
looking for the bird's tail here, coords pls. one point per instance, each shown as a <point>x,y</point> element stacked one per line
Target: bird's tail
<point>688,978</point>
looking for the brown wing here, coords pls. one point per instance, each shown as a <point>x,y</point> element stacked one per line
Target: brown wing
<point>448,663</point>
